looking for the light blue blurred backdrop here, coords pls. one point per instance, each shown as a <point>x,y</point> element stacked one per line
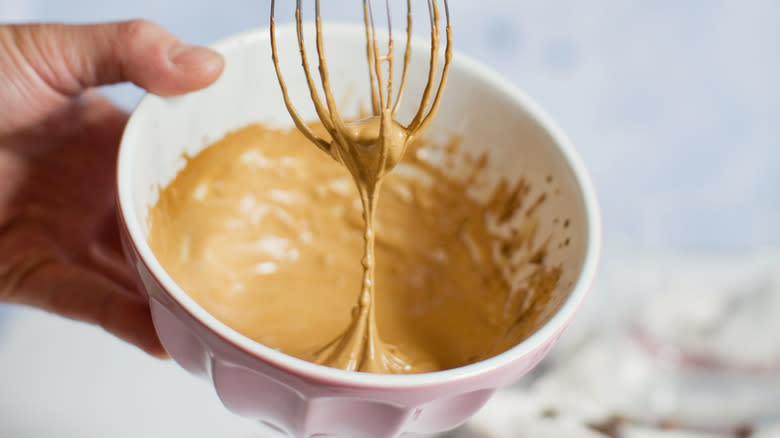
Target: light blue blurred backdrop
<point>673,105</point>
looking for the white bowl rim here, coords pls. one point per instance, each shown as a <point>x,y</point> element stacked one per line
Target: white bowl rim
<point>312,371</point>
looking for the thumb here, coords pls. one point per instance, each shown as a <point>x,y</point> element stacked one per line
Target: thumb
<point>71,58</point>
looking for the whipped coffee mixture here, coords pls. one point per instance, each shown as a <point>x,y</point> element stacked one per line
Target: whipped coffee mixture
<point>267,234</point>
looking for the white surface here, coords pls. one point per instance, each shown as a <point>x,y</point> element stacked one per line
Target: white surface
<point>743,295</point>
<point>64,379</point>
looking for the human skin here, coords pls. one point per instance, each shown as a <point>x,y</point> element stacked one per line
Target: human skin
<point>59,243</point>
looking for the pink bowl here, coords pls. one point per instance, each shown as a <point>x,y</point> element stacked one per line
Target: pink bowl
<point>296,397</point>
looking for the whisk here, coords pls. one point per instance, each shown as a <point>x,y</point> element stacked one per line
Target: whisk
<point>381,130</point>
<point>369,148</point>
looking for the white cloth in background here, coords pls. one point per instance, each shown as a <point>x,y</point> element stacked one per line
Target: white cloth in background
<point>601,370</point>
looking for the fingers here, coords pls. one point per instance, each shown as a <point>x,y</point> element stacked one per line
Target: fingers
<point>109,235</point>
<point>71,58</point>
<point>107,255</point>
<point>112,264</point>
<point>77,293</point>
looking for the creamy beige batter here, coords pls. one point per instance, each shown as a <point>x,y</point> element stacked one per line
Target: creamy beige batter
<point>265,234</point>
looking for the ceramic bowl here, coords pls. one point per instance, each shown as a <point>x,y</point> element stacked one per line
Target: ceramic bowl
<point>295,397</point>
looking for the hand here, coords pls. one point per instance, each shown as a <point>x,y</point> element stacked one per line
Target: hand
<point>59,244</point>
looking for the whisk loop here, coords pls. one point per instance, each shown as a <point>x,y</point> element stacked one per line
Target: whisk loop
<point>381,127</point>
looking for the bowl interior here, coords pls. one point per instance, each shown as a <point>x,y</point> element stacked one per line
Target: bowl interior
<point>488,114</point>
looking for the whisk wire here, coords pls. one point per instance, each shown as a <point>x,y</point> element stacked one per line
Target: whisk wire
<point>370,55</point>
<point>376,58</point>
<point>299,123</point>
<point>389,57</point>
<point>444,74</point>
<point>433,12</point>
<point>407,57</point>
<point>335,117</point>
<point>322,113</point>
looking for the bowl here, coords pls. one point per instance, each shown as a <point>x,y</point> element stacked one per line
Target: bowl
<point>295,397</point>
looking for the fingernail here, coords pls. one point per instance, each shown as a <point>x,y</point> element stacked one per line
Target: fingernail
<point>189,57</point>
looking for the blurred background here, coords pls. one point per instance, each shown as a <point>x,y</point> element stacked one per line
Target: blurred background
<point>674,108</point>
